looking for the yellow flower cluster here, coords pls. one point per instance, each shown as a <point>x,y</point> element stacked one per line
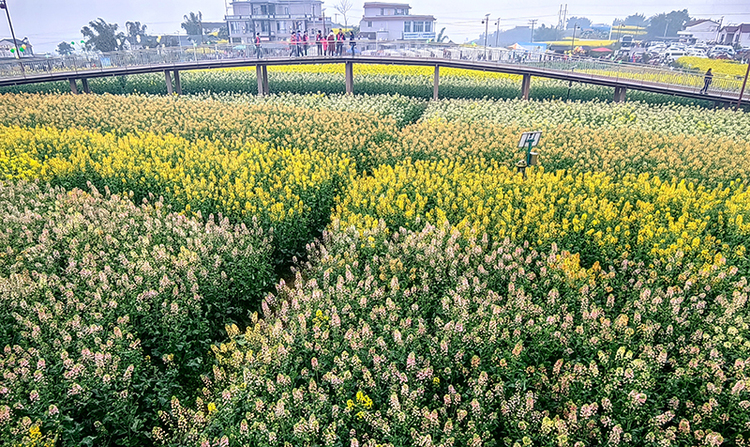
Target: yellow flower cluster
<point>594,214</point>
<point>284,188</point>
<point>730,68</point>
<point>387,70</point>
<point>615,151</point>
<point>327,130</point>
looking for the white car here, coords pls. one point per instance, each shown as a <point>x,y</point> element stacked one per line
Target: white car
<point>697,52</point>
<point>672,54</point>
<point>721,49</point>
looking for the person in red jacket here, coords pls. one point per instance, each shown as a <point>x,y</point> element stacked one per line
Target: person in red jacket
<point>305,42</point>
<point>340,39</point>
<point>258,51</point>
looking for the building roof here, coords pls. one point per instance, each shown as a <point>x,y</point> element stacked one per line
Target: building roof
<point>404,18</point>
<point>743,28</point>
<point>386,5</point>
<point>698,22</point>
<point>18,41</point>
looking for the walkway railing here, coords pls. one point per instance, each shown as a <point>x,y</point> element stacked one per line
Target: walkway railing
<point>168,58</point>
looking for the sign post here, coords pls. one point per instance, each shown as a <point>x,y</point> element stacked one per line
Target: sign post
<point>530,140</point>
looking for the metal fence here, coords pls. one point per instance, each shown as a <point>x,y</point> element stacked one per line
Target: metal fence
<point>168,58</point>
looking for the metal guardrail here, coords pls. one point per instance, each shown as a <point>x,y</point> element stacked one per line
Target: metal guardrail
<point>81,64</point>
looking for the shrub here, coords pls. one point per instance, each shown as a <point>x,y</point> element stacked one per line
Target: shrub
<point>108,309</point>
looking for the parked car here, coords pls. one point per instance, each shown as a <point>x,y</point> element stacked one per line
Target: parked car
<point>697,52</point>
<point>719,50</point>
<point>671,54</point>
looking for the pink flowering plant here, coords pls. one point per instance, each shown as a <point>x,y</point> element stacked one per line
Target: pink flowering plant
<point>108,309</point>
<point>438,338</point>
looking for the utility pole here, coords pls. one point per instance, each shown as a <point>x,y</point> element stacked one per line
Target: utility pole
<point>573,43</point>
<point>486,23</point>
<point>4,5</point>
<point>565,16</point>
<point>744,83</point>
<point>497,36</point>
<point>718,30</point>
<point>533,22</point>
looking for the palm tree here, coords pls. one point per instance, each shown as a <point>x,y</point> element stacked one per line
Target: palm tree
<point>103,36</point>
<point>441,37</point>
<point>193,24</point>
<point>135,29</point>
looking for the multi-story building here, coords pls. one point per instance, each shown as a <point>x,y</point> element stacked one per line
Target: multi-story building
<point>274,19</point>
<point>735,35</point>
<point>700,31</point>
<point>394,21</point>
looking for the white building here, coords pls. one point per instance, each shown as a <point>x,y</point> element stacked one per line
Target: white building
<point>6,45</point>
<point>394,21</point>
<point>735,35</point>
<point>274,19</point>
<point>701,31</point>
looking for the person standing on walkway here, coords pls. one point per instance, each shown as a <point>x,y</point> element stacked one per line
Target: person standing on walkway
<point>340,43</point>
<point>293,45</point>
<point>707,79</point>
<point>331,44</point>
<point>299,44</point>
<point>319,42</point>
<point>352,43</point>
<point>305,42</point>
<point>258,51</point>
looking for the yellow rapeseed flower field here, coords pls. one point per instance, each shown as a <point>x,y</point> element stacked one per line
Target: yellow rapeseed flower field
<point>593,214</point>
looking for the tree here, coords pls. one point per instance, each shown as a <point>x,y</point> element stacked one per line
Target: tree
<point>667,25</point>
<point>343,6</point>
<point>635,20</point>
<point>193,24</point>
<point>135,29</point>
<point>441,37</point>
<point>582,22</point>
<point>547,33</point>
<point>64,49</point>
<point>103,36</point>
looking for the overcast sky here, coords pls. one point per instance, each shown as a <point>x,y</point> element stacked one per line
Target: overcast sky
<point>48,22</point>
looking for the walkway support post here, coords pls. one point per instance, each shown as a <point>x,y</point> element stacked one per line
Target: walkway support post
<point>168,79</point>
<point>436,87</point>
<point>73,86</point>
<point>259,75</point>
<point>177,85</point>
<point>85,83</point>
<point>349,78</point>
<point>266,90</point>
<point>526,86</point>
<point>620,94</point>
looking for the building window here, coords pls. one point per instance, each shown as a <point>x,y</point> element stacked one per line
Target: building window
<point>236,39</point>
<point>418,27</point>
<point>369,24</point>
<point>428,27</point>
<point>235,27</point>
<point>382,11</point>
<point>407,27</point>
